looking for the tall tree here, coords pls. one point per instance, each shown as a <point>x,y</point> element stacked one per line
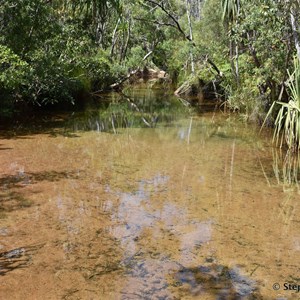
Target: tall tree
<point>294,17</point>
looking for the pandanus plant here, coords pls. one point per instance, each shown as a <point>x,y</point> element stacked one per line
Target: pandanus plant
<point>230,10</point>
<point>287,122</point>
<point>94,6</point>
<point>97,11</point>
<point>230,16</point>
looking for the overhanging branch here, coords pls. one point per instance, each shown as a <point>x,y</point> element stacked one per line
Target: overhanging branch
<point>178,27</point>
<point>172,17</point>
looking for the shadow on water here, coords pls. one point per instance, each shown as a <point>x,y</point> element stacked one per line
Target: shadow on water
<point>11,200</point>
<point>22,128</point>
<point>220,281</point>
<point>18,258</point>
<point>5,148</point>
<point>22,178</point>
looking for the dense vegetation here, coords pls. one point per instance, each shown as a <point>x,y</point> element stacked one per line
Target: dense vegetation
<point>54,50</point>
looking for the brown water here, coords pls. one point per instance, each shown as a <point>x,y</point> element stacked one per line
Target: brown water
<point>190,209</point>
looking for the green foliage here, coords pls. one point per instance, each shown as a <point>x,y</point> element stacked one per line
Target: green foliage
<point>26,25</point>
<point>99,70</point>
<point>44,58</point>
<point>47,80</point>
<point>210,34</point>
<point>13,69</point>
<point>136,56</point>
<point>173,57</point>
<point>262,33</point>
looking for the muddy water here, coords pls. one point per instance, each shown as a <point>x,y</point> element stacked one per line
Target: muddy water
<point>191,208</point>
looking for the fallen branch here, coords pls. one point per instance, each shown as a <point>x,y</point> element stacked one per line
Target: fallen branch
<point>119,82</point>
<point>147,55</point>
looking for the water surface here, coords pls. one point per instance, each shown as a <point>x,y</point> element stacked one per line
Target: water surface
<point>144,199</point>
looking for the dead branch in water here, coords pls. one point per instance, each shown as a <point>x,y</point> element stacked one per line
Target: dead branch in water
<point>119,82</point>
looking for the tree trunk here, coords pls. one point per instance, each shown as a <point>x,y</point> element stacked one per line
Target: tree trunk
<point>231,56</point>
<point>237,76</point>
<point>295,32</point>
<point>114,38</point>
<point>191,33</point>
<point>125,47</point>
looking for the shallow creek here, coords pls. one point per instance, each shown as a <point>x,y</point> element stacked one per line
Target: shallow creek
<point>102,205</point>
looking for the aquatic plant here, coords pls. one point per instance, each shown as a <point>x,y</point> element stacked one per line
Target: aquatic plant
<point>286,167</point>
<point>287,122</point>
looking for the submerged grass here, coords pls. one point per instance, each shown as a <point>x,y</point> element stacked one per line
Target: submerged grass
<point>286,167</point>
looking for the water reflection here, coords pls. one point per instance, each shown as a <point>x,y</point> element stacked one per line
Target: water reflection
<point>150,261</point>
<point>133,109</point>
<point>140,106</point>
